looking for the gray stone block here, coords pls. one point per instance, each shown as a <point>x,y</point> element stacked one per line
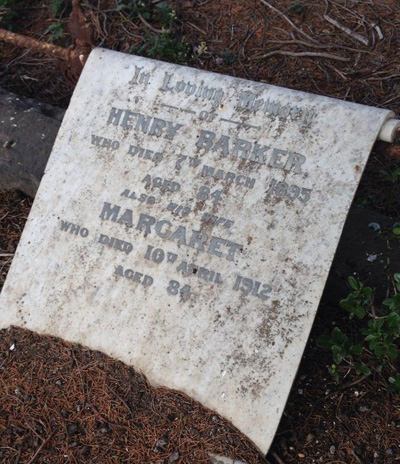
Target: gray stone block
<point>27,133</point>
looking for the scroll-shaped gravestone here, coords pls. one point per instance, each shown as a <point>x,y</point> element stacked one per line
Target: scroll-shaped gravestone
<point>186,224</point>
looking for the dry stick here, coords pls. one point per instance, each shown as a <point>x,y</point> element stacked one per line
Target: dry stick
<point>36,45</point>
<point>347,31</point>
<point>152,28</point>
<point>331,45</point>
<point>277,458</point>
<point>288,20</point>
<point>197,28</point>
<point>309,54</point>
<point>40,448</point>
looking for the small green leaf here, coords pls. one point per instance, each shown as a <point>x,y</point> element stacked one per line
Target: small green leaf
<point>324,342</point>
<point>392,352</point>
<point>388,302</point>
<point>367,292</point>
<point>379,325</point>
<point>333,371</point>
<point>347,304</point>
<point>373,344</point>
<point>356,350</point>
<point>56,6</point>
<point>163,6</point>
<point>361,368</point>
<point>353,282</point>
<point>393,320</point>
<point>396,231</point>
<point>366,370</point>
<point>338,336</point>
<point>360,312</point>
<point>337,354</point>
<point>379,349</point>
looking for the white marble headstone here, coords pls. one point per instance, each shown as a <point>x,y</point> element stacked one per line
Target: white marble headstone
<point>186,225</point>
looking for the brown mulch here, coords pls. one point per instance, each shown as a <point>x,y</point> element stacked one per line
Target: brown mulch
<point>61,403</point>
<point>14,210</point>
<point>64,403</point>
<point>236,35</point>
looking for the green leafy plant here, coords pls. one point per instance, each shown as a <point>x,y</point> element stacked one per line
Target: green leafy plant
<point>55,31</point>
<point>229,57</point>
<point>57,6</point>
<point>391,177</point>
<point>375,344</point>
<point>160,12</point>
<point>358,299</point>
<point>165,47</point>
<point>394,384</point>
<point>9,11</point>
<point>159,18</point>
<point>297,7</point>
<point>59,9</point>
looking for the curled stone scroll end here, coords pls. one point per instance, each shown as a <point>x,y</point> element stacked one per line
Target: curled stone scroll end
<point>390,130</point>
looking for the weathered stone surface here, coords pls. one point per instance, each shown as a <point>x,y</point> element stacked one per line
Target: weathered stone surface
<point>186,225</point>
<point>27,133</point>
<point>215,459</point>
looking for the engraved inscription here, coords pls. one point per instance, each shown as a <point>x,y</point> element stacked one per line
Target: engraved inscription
<point>249,101</point>
<point>251,151</point>
<point>199,90</point>
<point>150,125</point>
<point>142,197</point>
<point>228,177</point>
<point>102,142</point>
<point>216,246</point>
<point>117,244</point>
<point>143,153</point>
<point>162,184</point>
<point>74,229</point>
<point>134,276</point>
<point>291,192</point>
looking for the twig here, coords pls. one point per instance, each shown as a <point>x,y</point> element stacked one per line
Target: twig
<point>378,31</point>
<point>347,31</point>
<point>309,54</point>
<point>40,449</point>
<point>277,458</point>
<point>392,76</point>
<point>35,45</point>
<point>6,255</point>
<point>152,28</point>
<point>122,401</point>
<point>288,20</point>
<point>345,387</point>
<point>339,73</point>
<point>197,28</point>
<point>331,45</point>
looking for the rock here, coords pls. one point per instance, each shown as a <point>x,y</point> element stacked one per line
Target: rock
<point>174,457</point>
<point>27,133</point>
<point>215,459</point>
<point>72,429</point>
